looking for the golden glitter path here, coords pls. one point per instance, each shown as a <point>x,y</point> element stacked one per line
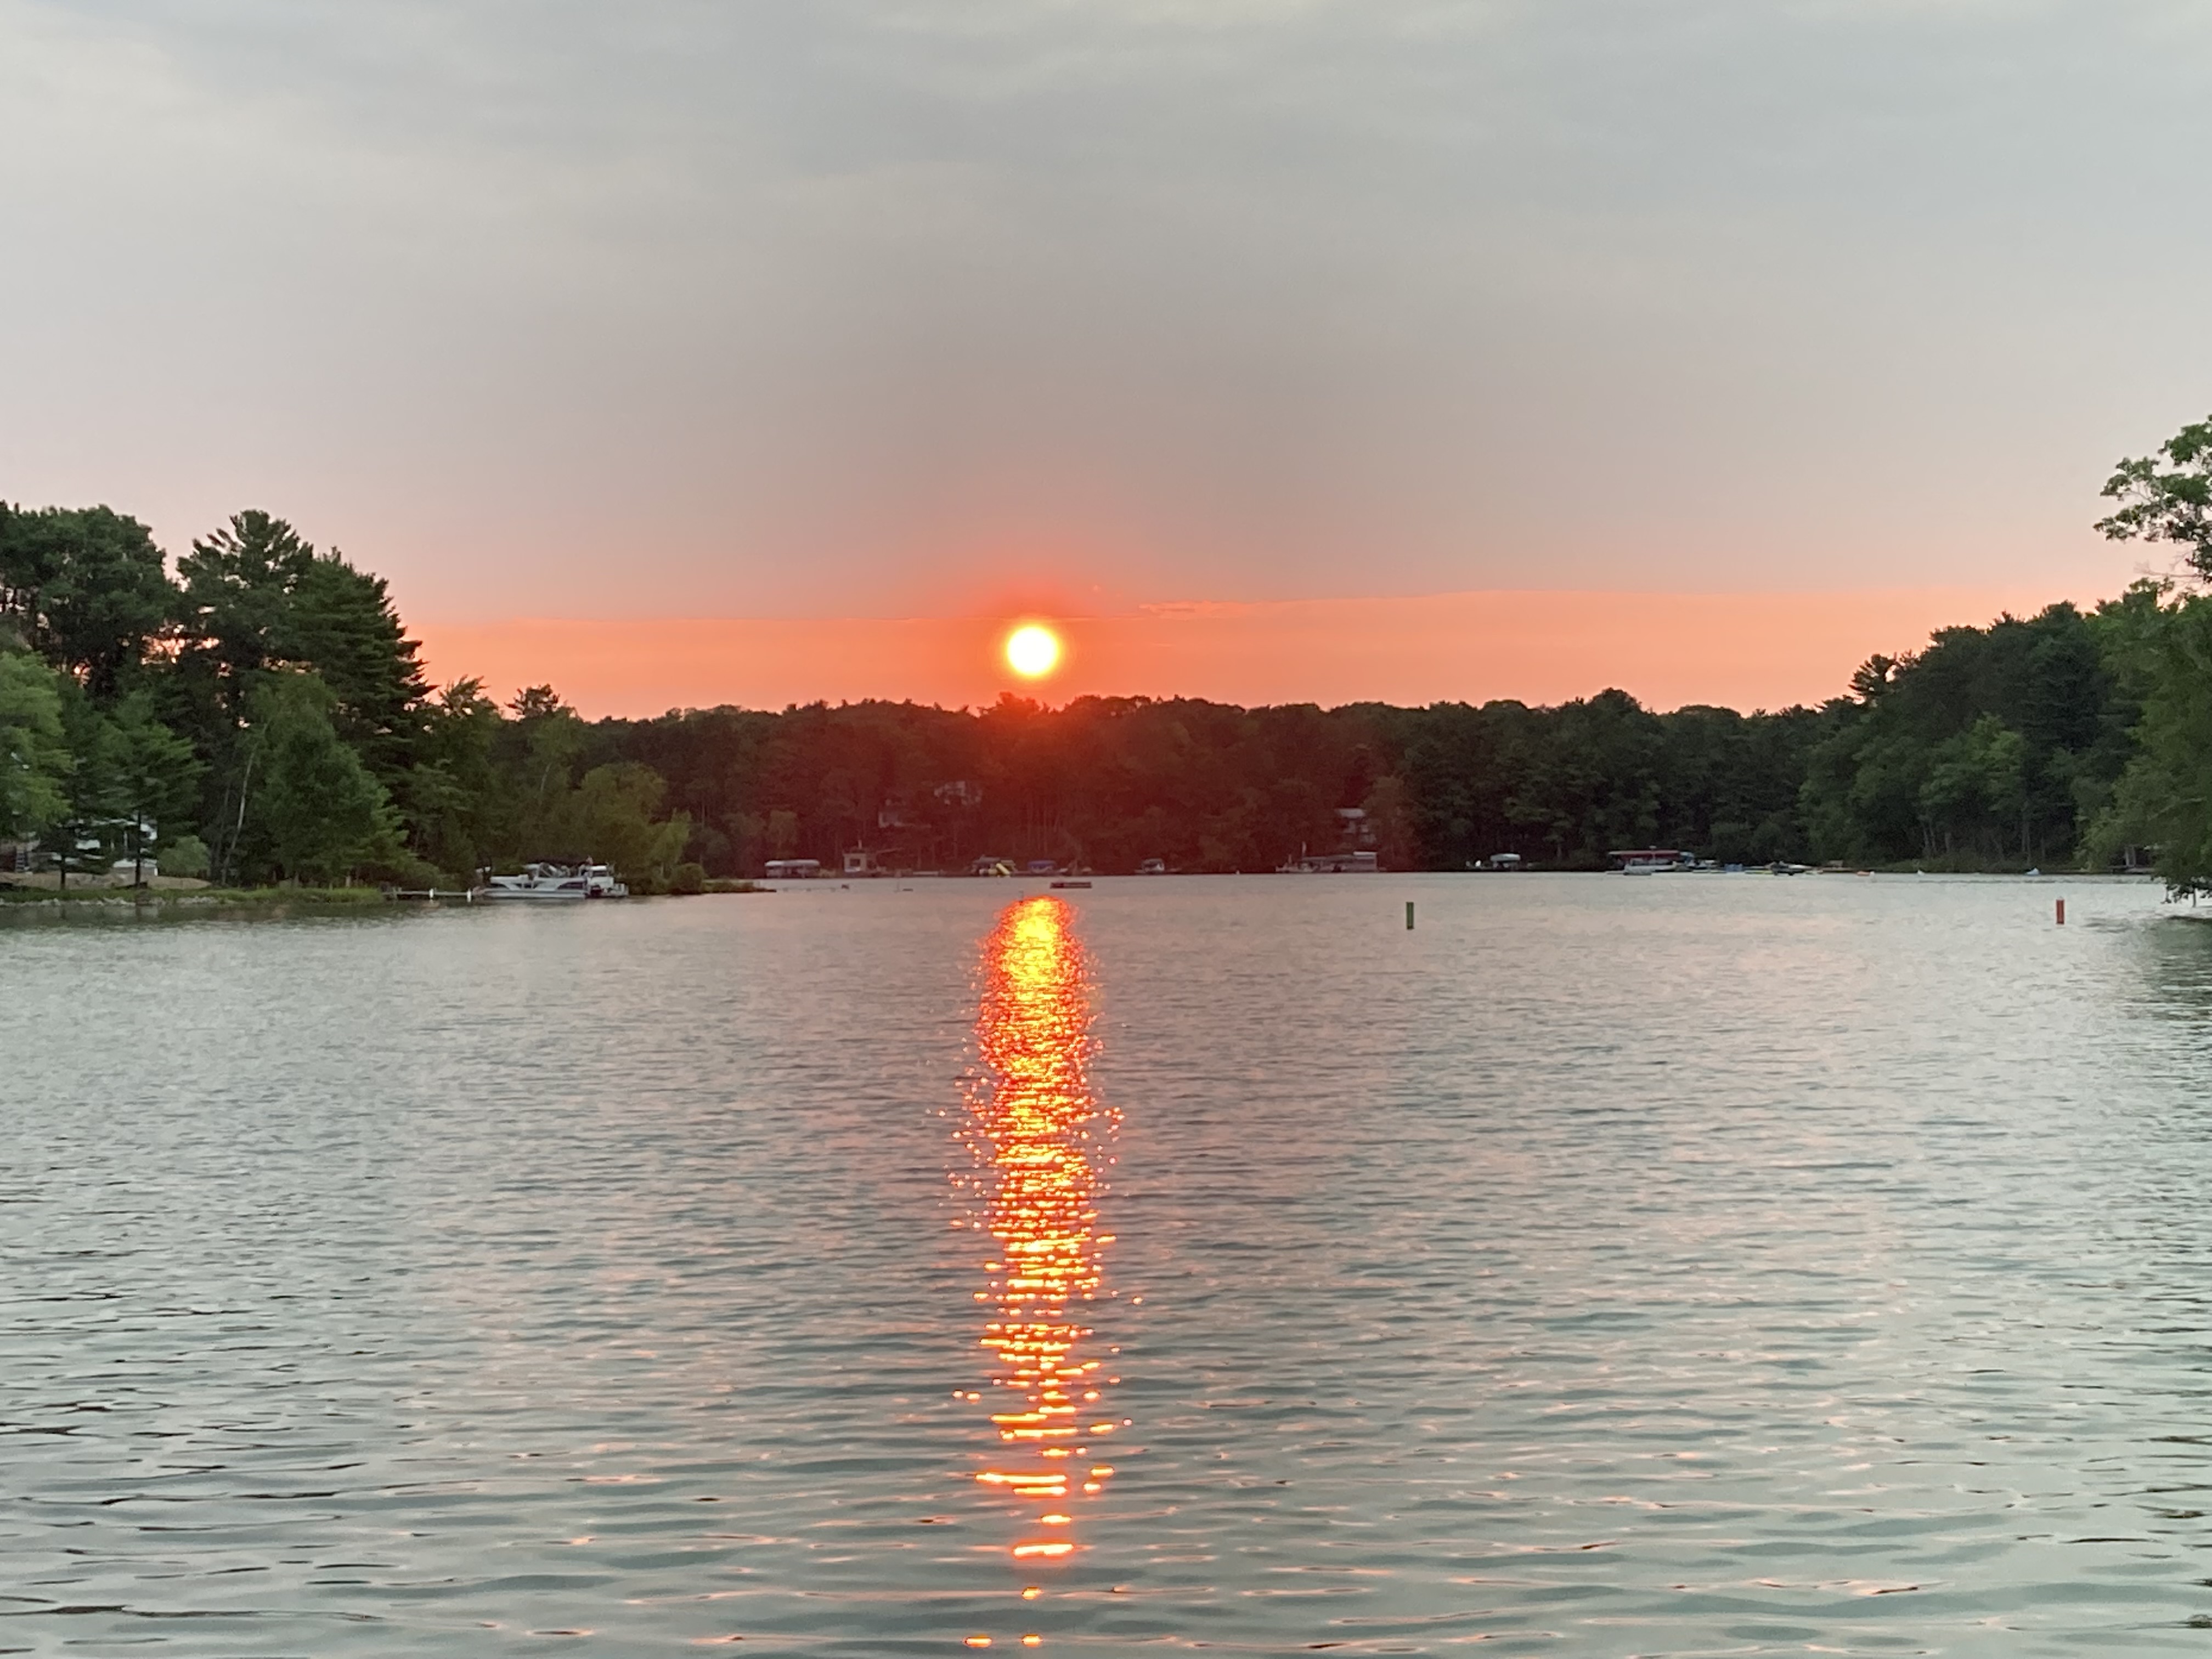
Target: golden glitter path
<point>1038,1138</point>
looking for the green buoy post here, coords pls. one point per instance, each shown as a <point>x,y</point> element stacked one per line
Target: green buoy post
<point>1409,915</point>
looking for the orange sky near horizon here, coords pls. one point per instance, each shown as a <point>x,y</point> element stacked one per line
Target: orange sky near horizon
<point>1741,650</point>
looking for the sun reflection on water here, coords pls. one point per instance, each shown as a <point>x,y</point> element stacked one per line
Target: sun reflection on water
<point>1038,1137</point>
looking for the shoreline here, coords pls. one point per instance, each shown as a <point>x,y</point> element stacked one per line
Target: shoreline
<point>137,899</point>
<point>134,898</point>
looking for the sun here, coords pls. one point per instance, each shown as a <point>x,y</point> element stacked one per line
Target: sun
<point>1032,651</point>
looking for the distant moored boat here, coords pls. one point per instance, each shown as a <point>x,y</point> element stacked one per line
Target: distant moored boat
<point>1649,860</point>
<point>1332,864</point>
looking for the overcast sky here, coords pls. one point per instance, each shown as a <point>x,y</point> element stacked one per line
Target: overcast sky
<point>810,306</point>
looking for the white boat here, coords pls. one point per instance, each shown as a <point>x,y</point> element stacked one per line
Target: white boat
<point>1650,861</point>
<point>554,883</point>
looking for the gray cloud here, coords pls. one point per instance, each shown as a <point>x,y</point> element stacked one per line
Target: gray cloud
<point>762,305</point>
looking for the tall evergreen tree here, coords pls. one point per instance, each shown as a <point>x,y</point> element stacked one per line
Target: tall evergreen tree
<point>342,626</point>
<point>237,587</point>
<point>258,599</point>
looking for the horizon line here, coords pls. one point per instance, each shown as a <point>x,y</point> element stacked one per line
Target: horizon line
<point>1539,647</point>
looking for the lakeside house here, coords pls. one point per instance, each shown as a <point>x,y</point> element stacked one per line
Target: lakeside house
<point>113,842</point>
<point>1355,852</point>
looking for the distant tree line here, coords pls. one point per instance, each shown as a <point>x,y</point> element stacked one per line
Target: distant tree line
<point>1995,747</point>
<point>1206,787</point>
<point>258,715</point>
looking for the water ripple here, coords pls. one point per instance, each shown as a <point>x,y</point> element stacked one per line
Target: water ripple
<point>1689,1266</point>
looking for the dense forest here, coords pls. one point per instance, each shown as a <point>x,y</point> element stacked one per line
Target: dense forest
<point>253,712</point>
<point>1994,746</point>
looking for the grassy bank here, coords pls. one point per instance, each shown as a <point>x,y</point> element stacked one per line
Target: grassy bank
<point>93,899</point>
<point>202,898</point>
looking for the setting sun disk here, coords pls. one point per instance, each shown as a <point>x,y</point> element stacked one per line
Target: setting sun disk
<point>1032,651</point>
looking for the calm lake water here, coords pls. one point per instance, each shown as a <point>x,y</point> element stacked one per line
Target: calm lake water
<point>1682,1265</point>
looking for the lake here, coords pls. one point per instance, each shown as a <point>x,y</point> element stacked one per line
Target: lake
<point>1688,1264</point>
